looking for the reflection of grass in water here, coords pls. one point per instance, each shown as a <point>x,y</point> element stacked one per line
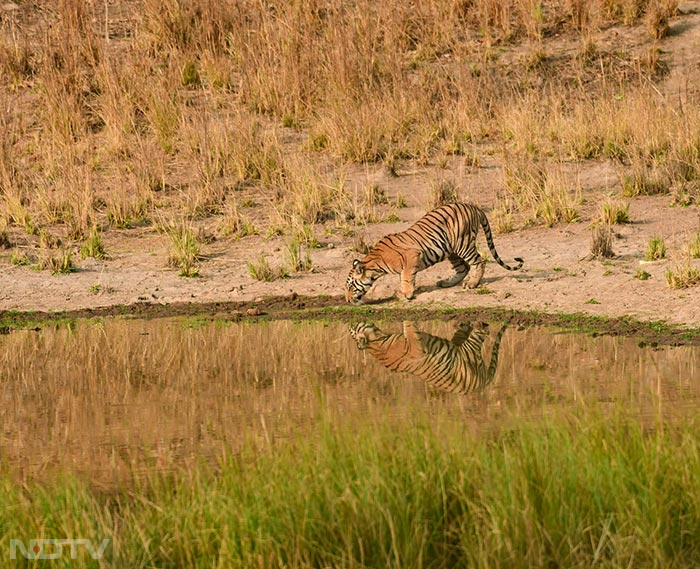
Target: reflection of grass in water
<point>559,492</point>
<point>159,393</point>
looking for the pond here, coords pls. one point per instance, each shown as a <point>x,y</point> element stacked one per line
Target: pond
<point>115,397</point>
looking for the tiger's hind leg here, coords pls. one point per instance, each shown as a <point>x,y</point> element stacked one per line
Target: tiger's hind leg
<point>477,275</point>
<point>461,270</point>
<point>479,264</point>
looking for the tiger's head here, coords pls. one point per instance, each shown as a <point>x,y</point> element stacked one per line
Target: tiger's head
<point>359,281</point>
<point>363,333</point>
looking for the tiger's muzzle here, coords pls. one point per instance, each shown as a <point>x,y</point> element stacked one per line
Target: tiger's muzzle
<point>353,293</point>
<point>353,298</point>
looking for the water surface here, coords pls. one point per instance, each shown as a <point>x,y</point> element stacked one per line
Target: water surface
<point>115,397</point>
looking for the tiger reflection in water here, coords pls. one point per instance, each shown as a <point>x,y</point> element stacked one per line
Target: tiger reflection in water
<point>455,365</point>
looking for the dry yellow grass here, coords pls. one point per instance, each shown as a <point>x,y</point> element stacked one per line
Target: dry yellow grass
<point>543,193</point>
<point>601,242</point>
<point>683,275</point>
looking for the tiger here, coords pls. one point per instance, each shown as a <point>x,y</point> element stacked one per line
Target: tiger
<point>448,231</point>
<point>456,365</point>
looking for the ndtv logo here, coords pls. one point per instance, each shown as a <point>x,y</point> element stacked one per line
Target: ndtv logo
<point>37,548</point>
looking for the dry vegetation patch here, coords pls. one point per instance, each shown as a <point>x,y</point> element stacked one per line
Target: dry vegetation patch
<point>601,242</point>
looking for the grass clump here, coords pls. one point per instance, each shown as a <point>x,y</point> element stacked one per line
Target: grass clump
<point>308,195</point>
<point>235,224</point>
<point>60,263</point>
<point>48,241</point>
<point>656,249</point>
<point>17,210</point>
<point>306,235</point>
<point>614,212</point>
<point>642,181</point>
<point>601,242</point>
<point>683,276</point>
<point>123,210</point>
<point>298,261</point>
<point>694,247</point>
<point>20,258</point>
<point>658,15</point>
<point>190,75</point>
<point>443,192</point>
<point>375,195</point>
<point>93,246</point>
<point>501,218</point>
<point>361,246</point>
<point>261,270</point>
<point>642,275</point>
<point>541,192</point>
<point>184,249</point>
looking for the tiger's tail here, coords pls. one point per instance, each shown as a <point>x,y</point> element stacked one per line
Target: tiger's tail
<point>494,354</point>
<point>489,239</point>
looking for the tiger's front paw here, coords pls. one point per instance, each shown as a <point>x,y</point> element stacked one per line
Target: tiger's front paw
<point>404,295</point>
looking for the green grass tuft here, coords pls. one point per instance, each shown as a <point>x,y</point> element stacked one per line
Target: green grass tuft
<point>694,247</point>
<point>20,258</point>
<point>298,261</point>
<point>614,212</point>
<point>93,246</point>
<point>59,264</point>
<point>656,249</point>
<point>261,270</point>
<point>185,253</point>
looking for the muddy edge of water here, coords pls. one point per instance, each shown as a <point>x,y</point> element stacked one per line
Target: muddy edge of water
<point>306,308</point>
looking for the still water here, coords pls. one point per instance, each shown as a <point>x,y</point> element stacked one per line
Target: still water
<point>112,398</point>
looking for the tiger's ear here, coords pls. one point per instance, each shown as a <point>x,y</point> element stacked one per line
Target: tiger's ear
<point>356,264</point>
